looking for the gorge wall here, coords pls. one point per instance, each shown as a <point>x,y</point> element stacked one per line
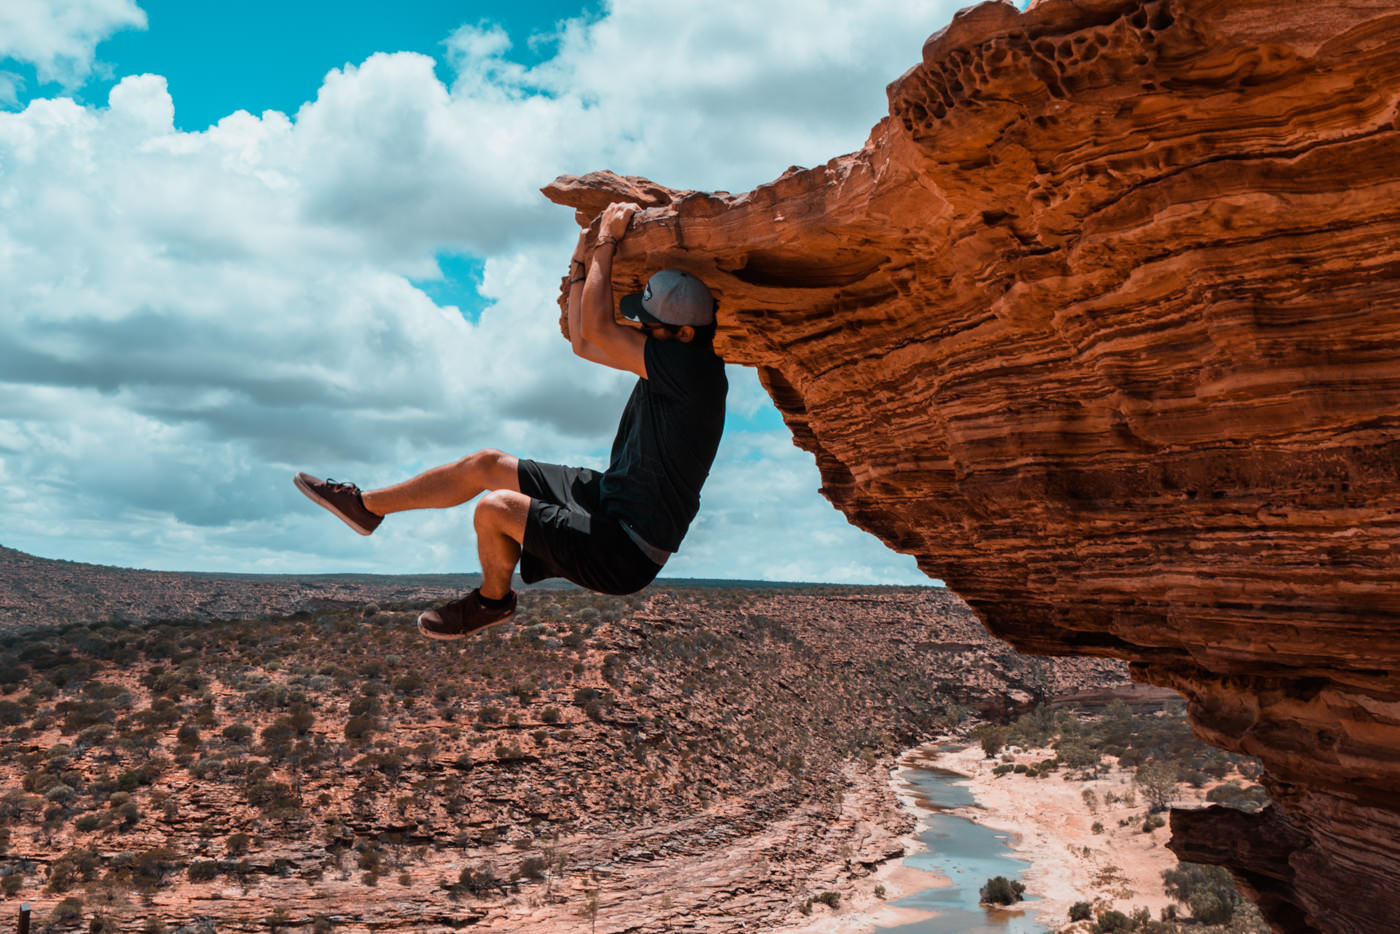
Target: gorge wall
<point>1101,325</point>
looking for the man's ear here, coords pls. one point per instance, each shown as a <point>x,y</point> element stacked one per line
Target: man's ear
<point>685,334</point>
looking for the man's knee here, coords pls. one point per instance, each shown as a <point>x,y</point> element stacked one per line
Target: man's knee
<point>502,511</point>
<point>496,470</point>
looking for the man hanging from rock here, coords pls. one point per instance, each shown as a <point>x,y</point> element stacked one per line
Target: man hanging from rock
<point>612,531</point>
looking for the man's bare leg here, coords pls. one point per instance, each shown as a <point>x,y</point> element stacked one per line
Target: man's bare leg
<point>500,531</point>
<point>449,485</point>
<point>500,528</point>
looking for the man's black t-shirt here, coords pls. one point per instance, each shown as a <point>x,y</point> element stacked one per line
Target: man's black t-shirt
<point>666,441</point>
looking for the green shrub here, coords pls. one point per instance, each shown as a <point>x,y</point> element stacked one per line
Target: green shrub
<point>1081,911</point>
<point>302,719</point>
<point>59,794</point>
<point>203,870</point>
<point>363,704</point>
<point>992,738</point>
<point>95,735</point>
<point>411,683</point>
<point>1000,890</point>
<point>237,732</point>
<point>1073,754</point>
<point>1209,891</point>
<point>358,729</point>
<point>478,879</point>
<point>75,866</point>
<point>151,865</point>
<point>1232,795</point>
<point>67,911</point>
<point>1111,921</point>
<point>1211,906</point>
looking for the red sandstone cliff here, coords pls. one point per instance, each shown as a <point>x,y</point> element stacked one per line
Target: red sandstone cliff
<point>1101,325</point>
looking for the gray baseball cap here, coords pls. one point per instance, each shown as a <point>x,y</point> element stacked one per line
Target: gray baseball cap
<point>672,297</point>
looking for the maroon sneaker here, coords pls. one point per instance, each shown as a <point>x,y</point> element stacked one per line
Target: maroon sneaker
<point>464,617</point>
<point>341,499</point>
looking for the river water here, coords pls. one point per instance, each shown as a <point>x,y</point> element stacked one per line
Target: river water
<point>968,854</point>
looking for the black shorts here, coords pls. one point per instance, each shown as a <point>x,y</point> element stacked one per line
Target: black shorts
<point>566,534</point>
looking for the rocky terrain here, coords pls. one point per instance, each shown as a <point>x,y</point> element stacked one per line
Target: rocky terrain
<point>38,591</point>
<point>708,758</point>
<point>1100,325</point>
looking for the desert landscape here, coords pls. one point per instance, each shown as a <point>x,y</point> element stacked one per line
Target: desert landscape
<point>699,757</point>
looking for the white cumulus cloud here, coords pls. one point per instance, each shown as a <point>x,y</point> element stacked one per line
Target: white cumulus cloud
<point>60,37</point>
<point>192,316</point>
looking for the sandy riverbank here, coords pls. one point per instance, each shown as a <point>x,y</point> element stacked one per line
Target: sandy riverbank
<point>1052,828</point>
<point>863,911</point>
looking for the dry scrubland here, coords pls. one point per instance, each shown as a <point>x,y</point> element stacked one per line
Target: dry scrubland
<point>713,757</point>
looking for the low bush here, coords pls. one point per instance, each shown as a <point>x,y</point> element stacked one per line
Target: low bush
<point>1112,921</point>
<point>1209,891</point>
<point>67,911</point>
<point>1000,890</point>
<point>478,879</point>
<point>203,870</point>
<point>237,732</point>
<point>358,729</point>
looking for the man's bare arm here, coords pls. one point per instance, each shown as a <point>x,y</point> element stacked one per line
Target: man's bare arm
<point>577,274</point>
<point>620,346</point>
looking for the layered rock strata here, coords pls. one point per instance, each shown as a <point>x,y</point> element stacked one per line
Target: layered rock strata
<point>1101,325</point>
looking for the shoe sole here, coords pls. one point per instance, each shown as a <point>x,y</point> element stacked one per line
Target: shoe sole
<point>311,495</point>
<point>448,637</point>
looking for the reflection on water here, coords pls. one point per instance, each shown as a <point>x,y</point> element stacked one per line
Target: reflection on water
<point>967,853</point>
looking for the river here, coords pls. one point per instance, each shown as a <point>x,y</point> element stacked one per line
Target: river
<point>968,854</point>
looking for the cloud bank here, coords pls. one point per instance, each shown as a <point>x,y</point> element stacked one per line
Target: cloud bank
<point>60,37</point>
<point>193,316</point>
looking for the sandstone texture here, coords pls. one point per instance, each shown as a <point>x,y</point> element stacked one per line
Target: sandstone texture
<point>1101,326</point>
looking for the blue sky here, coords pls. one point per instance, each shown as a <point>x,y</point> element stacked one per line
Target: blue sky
<point>244,240</point>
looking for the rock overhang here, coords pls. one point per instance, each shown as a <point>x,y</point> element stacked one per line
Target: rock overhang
<point>1102,326</point>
